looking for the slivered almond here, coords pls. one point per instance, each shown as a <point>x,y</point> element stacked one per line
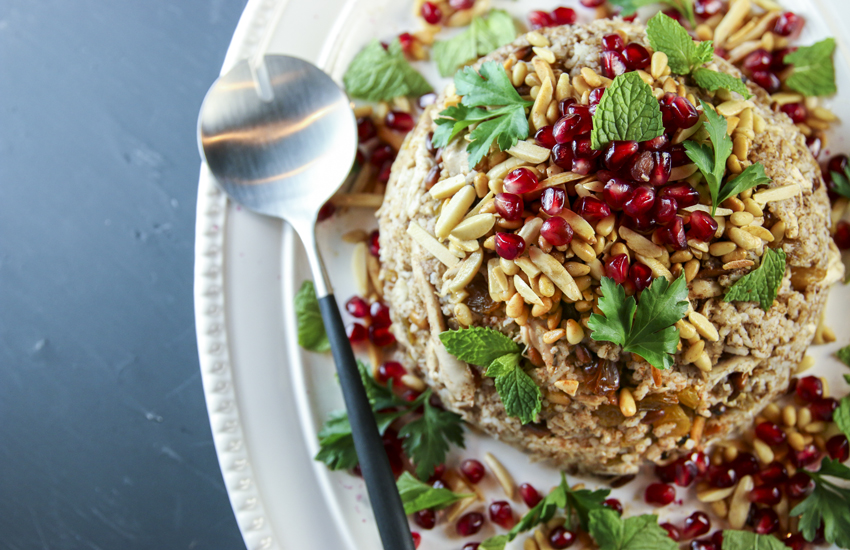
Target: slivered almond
<point>448,187</point>
<point>530,232</point>
<point>714,495</point>
<point>739,507</point>
<point>474,227</point>
<point>759,232</point>
<point>580,226</point>
<point>529,152</point>
<point>467,271</point>
<point>501,170</point>
<point>502,475</point>
<point>453,212</point>
<point>730,22</point>
<point>704,326</point>
<point>683,172</point>
<point>640,244</point>
<point>777,194</point>
<point>559,179</point>
<point>528,267</point>
<point>556,272</point>
<point>359,268</point>
<point>720,212</point>
<point>738,264</point>
<point>429,243</point>
<point>526,292</point>
<point>569,387</point>
<point>655,266</point>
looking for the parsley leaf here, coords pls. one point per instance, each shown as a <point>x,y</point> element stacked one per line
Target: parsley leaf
<point>583,502</point>
<point>427,438</point>
<point>645,328</point>
<point>492,88</point>
<point>841,182</point>
<point>627,112</point>
<point>844,355</point>
<point>484,35</point>
<point>520,395</point>
<point>752,176</point>
<point>814,71</point>
<point>762,284</point>
<point>311,328</point>
<point>683,54</point>
<point>377,74</point>
<point>713,80</point>
<point>611,532</point>
<point>416,495</point>
<point>828,503</point>
<point>841,416</point>
<point>747,540</point>
<point>713,167</point>
<point>478,345</point>
<point>336,445</point>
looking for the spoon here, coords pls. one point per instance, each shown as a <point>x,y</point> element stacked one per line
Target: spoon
<point>280,137</point>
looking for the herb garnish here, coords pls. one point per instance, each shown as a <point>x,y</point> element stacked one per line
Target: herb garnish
<point>813,72</point>
<point>683,54</point>
<point>844,355</point>
<point>377,74</point>
<point>484,35</point>
<point>685,7</point>
<point>311,328</point>
<point>841,416</point>
<point>762,284</point>
<point>644,327</point>
<point>714,80</point>
<point>505,125</point>
<point>627,112</point>
<point>841,182</point>
<point>416,495</point>
<point>747,540</point>
<point>612,532</point>
<point>828,504</point>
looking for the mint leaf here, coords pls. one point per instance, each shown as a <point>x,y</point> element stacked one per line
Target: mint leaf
<point>478,345</point>
<point>683,55</point>
<point>841,182</point>
<point>427,438</point>
<point>841,416</point>
<point>311,328</point>
<point>713,80</point>
<point>747,540</point>
<point>646,328</point>
<point>544,510</point>
<point>752,176</point>
<point>495,543</point>
<point>336,444</point>
<point>583,502</point>
<point>520,395</point>
<point>416,495</point>
<point>828,504</point>
<point>611,532</point>
<point>628,7</point>
<point>377,74</point>
<point>714,171</point>
<point>484,35</point>
<point>813,73</point>
<point>627,112</point>
<point>762,284</point>
<point>844,355</point>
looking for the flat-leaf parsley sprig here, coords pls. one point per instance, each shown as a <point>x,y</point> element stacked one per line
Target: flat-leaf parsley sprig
<point>828,504</point>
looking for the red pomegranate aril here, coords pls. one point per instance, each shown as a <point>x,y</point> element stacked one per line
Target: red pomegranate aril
<point>684,472</point>
<point>613,504</point>
<point>722,476</point>
<point>700,460</point>
<point>677,112</point>
<point>664,210</point>
<point>592,209</point>
<point>563,16</point>
<point>357,307</point>
<point>472,470</point>
<point>618,152</point>
<point>809,389</point>
<point>595,97</point>
<point>417,539</point>
<point>684,194</point>
<point>400,121</point>
<point>799,485</point>
<point>659,494</point>
<point>382,154</point>
<point>679,155</point>
<point>509,245</point>
<point>745,464</point>
<point>768,495</point>
<point>613,42</point>
<point>583,149</point>
<point>640,276</point>
<point>675,14</point>
<point>775,472</point>
<point>641,201</point>
<point>842,235</point>
<point>406,40</point>
<point>562,155</point>
<point>327,210</point>
<point>521,180</point>
<point>425,519</point>
<point>391,370</point>
<point>702,544</point>
<point>636,56</point>
<point>366,129</point>
<point>564,106</point>
<point>613,64</point>
<point>560,538</point>
<point>384,172</point>
<point>703,226</point>
<point>838,163</point>
<point>796,111</point>
<point>707,8</point>
<point>592,3</point>
<point>696,524</point>
<point>381,336</point>
<point>469,524</point>
<point>539,19</point>
<point>815,145</point>
<point>765,521</point>
<point>375,243</point>
<point>431,13</point>
<point>584,166</point>
<point>656,144</point>
<point>838,448</point>
<point>380,314</point>
<point>674,234</point>
<point>471,546</point>
<point>806,456</point>
<point>788,24</point>
<point>767,80</point>
<point>356,333</point>
<point>545,137</point>
<point>529,495</point>
<point>717,538</point>
<point>759,60</point>
<point>617,268</point>
<point>660,173</point>
<point>553,200</point>
<point>617,192</point>
<point>501,514</point>
<point>795,542</point>
<point>770,433</point>
<point>461,4</point>
<point>557,231</point>
<point>672,531</point>
<point>822,409</point>
<point>509,206</point>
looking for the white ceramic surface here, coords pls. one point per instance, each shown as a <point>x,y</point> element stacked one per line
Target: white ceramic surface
<point>266,397</point>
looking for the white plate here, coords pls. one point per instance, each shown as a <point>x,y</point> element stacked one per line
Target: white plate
<point>267,398</point>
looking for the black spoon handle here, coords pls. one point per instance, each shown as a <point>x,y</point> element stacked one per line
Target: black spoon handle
<point>380,483</point>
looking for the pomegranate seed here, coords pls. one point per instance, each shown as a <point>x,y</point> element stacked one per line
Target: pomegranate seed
<point>583,149</point>
<point>707,8</point>
<point>560,538</point>
<point>636,56</point>
<point>618,152</point>
<point>700,460</point>
<point>613,64</point>
<point>592,3</point>
<point>766,494</point>
<point>613,42</point>
<point>431,13</point>
<point>381,336</point>
<point>672,531</point>
<point>795,542</point>
<point>564,105</point>
<point>680,155</point>
<point>660,173</point>
<point>366,129</point>
<point>805,457</point>
<point>584,166</point>
<point>703,226</point>
<point>656,144</point>
<point>822,409</point>
<point>509,246</point>
<point>717,538</point>
<point>796,111</point>
<point>471,546</point>
<point>767,80</point>
<point>381,155</point>
<point>356,333</point>
<point>529,495</point>
<point>613,504</point>
<point>617,268</point>
<point>770,433</point>
<point>461,4</point>
<point>799,485</point>
<point>384,172</point>
<point>592,209</point>
<point>745,464</point>
<point>838,448</point>
<point>617,192</point>
<point>539,19</point>
<point>815,145</point>
<point>439,472</point>
<point>759,60</point>
<point>563,16</point>
<point>391,370</point>
<point>677,112</point>
<point>595,98</point>
<point>788,24</point>
<point>640,276</point>
<point>842,235</point>
<point>641,201</point>
<point>326,211</point>
<point>778,64</point>
<point>357,307</point>
<point>425,519</point>
<point>553,201</point>
<point>838,163</point>
<point>684,194</point>
<point>472,470</point>
<point>674,14</point>
<point>501,514</point>
<point>809,389</point>
<point>375,243</point>
<point>702,544</point>
<point>664,210</point>
<point>399,121</point>
<point>659,494</point>
<point>674,234</point>
<point>406,40</point>
<point>765,521</point>
<point>684,472</point>
<point>417,539</point>
<point>696,524</point>
<point>775,472</point>
<point>722,476</point>
<point>562,155</point>
<point>509,206</point>
<point>545,137</point>
<point>521,180</point>
<point>556,231</point>
<point>380,315</point>
<point>469,524</point>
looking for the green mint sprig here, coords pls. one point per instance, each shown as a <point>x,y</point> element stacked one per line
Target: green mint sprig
<point>311,328</point>
<point>417,496</point>
<point>685,7</point>
<point>762,284</point>
<point>627,112</point>
<point>612,532</point>
<point>484,35</point>
<point>683,54</point>
<point>377,74</point>
<point>841,182</point>
<point>841,416</point>
<point>828,504</point>
<point>844,355</point>
<point>713,81</point>
<point>747,540</point>
<point>813,72</point>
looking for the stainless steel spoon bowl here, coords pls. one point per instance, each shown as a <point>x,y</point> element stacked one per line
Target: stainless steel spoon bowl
<point>280,138</point>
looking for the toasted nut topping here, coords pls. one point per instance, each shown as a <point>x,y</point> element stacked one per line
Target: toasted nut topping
<point>567,386</point>
<point>454,211</point>
<point>502,475</point>
<point>714,495</point>
<point>580,226</point>
<point>763,451</point>
<point>447,187</point>
<point>744,239</point>
<point>693,352</point>
<point>640,244</point>
<point>474,227</point>
<point>739,506</point>
<point>704,326</point>
<point>721,248</point>
<point>575,334</point>
<point>556,272</point>
<point>738,264</point>
<point>467,271</point>
<point>777,194</point>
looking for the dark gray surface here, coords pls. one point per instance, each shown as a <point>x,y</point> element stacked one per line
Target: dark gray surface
<point>104,438</point>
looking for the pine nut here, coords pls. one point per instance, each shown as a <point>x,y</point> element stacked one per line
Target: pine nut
<point>583,250</point>
<point>502,475</point>
<point>741,218</point>
<point>796,441</point>
<point>703,362</point>
<point>804,417</point>
<point>713,495</point>
<point>721,248</point>
<point>530,544</point>
<point>772,412</point>
<point>536,39</point>
<point>704,326</point>
<point>739,506</point>
<point>518,74</point>
<point>744,239</point>
<point>693,352</point>
<point>553,336</point>
<point>720,508</point>
<point>815,427</point>
<point>515,306</point>
<point>734,164</point>
<point>741,146</point>
<point>413,382</point>
<point>547,288</point>
<point>542,540</point>
<point>691,270</point>
<point>627,403</point>
<point>763,451</point>
<point>606,225</point>
<point>463,314</point>
<point>730,453</point>
<point>658,64</point>
<point>577,269</point>
<point>789,415</point>
<point>732,108</point>
<point>681,256</point>
<point>575,334</point>
<point>686,330</point>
